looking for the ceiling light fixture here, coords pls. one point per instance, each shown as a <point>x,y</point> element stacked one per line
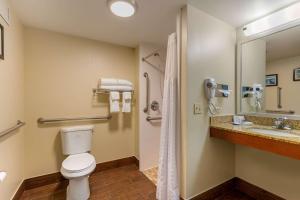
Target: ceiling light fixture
<point>276,19</point>
<point>122,8</point>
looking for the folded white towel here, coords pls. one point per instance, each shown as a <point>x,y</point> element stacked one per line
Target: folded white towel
<point>124,82</point>
<point>108,81</point>
<point>127,95</point>
<point>126,101</point>
<point>117,88</point>
<point>114,98</point>
<point>114,82</point>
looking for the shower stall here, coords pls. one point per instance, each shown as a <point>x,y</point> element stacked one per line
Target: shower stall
<point>151,85</point>
<point>159,125</point>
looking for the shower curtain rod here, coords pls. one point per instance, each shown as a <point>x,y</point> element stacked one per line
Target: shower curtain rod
<point>154,53</point>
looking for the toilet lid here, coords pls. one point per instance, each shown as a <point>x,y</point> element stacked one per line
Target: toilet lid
<point>78,162</point>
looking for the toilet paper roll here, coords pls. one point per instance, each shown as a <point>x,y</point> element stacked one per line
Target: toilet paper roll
<point>2,176</point>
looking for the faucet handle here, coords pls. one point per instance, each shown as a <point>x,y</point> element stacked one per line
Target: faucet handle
<point>280,119</point>
<point>277,122</point>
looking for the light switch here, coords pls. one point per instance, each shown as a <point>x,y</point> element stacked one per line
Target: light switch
<point>197,109</point>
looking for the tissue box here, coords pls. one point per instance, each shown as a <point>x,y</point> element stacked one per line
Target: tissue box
<point>238,120</point>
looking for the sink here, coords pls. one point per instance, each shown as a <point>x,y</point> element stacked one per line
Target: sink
<point>274,132</point>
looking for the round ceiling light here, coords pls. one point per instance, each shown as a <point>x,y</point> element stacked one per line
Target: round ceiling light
<point>122,8</point>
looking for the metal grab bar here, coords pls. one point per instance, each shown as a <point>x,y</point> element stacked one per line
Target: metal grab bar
<point>286,112</point>
<point>54,120</point>
<point>18,125</point>
<point>279,90</point>
<point>146,109</point>
<point>149,118</point>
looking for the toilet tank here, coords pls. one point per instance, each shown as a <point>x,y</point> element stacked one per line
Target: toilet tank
<point>76,139</point>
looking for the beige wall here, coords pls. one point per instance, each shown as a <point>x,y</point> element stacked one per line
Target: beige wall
<point>274,173</point>
<point>183,101</point>
<point>60,74</point>
<point>12,107</point>
<point>284,68</point>
<point>210,53</point>
<point>137,89</point>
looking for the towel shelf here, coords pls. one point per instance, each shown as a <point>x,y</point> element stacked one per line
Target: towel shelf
<point>149,118</point>
<point>55,120</point>
<point>103,91</point>
<point>18,125</point>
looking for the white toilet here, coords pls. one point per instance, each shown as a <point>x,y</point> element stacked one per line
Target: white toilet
<point>76,143</point>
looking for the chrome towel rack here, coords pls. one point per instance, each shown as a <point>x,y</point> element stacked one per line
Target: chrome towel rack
<point>104,91</point>
<point>55,120</point>
<point>149,118</point>
<point>18,125</point>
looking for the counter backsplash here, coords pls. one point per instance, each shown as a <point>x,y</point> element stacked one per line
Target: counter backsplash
<point>266,121</point>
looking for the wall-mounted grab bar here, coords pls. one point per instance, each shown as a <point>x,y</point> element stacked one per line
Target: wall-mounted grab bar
<point>146,75</point>
<point>18,125</point>
<point>55,120</point>
<point>283,112</point>
<point>149,118</point>
<point>279,90</point>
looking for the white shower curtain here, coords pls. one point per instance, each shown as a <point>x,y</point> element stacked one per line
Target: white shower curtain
<point>167,185</point>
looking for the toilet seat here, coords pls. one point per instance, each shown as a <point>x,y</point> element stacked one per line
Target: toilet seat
<point>78,162</point>
<point>78,165</point>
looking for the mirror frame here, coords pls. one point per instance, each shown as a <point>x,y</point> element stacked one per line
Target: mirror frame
<point>242,39</point>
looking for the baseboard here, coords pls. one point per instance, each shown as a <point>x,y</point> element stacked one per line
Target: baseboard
<point>238,184</point>
<point>43,180</point>
<point>216,191</point>
<point>58,178</point>
<point>116,163</point>
<point>254,191</point>
<point>19,192</point>
<point>137,161</point>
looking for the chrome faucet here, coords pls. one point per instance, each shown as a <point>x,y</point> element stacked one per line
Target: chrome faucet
<point>281,123</point>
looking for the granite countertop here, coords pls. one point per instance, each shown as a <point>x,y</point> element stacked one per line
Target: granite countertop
<point>246,129</point>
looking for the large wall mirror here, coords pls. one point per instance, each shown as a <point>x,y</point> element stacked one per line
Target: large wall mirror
<point>269,74</point>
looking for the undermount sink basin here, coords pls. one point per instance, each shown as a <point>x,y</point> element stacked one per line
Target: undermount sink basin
<point>274,132</point>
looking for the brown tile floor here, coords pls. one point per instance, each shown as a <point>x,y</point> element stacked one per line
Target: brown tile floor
<point>234,195</point>
<point>124,183</point>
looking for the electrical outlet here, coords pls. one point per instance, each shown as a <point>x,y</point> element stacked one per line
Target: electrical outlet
<point>197,109</point>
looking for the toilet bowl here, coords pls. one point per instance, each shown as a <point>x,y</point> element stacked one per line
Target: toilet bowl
<point>76,144</point>
<point>77,169</point>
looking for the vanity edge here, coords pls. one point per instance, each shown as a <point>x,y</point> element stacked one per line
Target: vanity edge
<point>274,145</point>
